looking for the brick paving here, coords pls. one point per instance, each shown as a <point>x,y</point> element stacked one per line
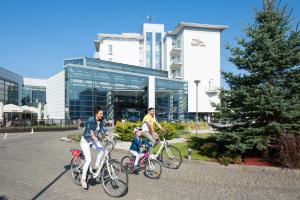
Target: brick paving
<point>34,167</point>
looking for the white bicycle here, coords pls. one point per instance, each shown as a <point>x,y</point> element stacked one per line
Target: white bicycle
<point>111,173</point>
<point>168,155</point>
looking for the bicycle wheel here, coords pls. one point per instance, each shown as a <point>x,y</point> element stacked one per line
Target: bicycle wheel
<point>127,164</point>
<point>114,179</point>
<point>76,166</point>
<point>153,169</point>
<point>171,157</point>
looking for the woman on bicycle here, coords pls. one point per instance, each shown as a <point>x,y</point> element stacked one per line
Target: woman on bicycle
<point>135,146</point>
<point>94,126</point>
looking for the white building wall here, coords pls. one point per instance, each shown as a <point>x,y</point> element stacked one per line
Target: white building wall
<point>35,82</point>
<point>123,51</point>
<point>151,92</point>
<point>201,63</point>
<point>167,51</point>
<point>55,95</point>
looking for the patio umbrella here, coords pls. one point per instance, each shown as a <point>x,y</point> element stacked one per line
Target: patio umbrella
<point>46,111</point>
<point>1,112</point>
<point>11,108</point>
<point>39,112</point>
<point>26,109</point>
<point>31,110</point>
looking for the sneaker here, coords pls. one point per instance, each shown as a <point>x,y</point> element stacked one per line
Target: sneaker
<point>83,183</point>
<point>135,170</point>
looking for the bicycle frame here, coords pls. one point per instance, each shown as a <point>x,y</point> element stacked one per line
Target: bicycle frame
<point>163,144</point>
<point>105,160</point>
<point>141,160</point>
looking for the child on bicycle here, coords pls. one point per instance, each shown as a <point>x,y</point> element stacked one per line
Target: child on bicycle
<point>135,147</point>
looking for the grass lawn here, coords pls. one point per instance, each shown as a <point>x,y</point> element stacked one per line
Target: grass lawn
<point>200,135</point>
<point>183,148</point>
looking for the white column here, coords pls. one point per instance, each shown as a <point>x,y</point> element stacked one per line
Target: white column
<point>151,92</point>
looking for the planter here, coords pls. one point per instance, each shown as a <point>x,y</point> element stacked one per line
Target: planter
<point>256,161</point>
<point>36,129</point>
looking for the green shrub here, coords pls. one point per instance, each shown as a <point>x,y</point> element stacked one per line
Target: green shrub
<point>191,125</point>
<point>215,147</point>
<point>173,130</point>
<point>75,137</point>
<point>125,130</point>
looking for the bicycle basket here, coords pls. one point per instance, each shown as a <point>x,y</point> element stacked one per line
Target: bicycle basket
<point>75,152</point>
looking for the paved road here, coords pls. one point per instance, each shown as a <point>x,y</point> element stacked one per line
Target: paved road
<point>34,167</point>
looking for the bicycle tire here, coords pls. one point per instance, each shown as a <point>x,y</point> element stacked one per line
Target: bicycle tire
<point>149,169</point>
<point>174,161</point>
<point>76,175</point>
<point>120,182</point>
<point>125,161</point>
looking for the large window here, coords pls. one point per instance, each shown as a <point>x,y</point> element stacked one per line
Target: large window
<point>120,95</point>
<point>8,92</point>
<point>149,49</point>
<point>110,50</point>
<point>170,99</point>
<point>158,50</point>
<point>33,95</point>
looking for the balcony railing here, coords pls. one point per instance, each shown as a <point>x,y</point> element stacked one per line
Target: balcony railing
<point>175,50</point>
<point>176,63</point>
<point>211,89</point>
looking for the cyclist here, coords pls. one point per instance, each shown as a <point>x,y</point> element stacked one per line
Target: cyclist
<point>94,126</point>
<point>135,147</point>
<point>148,127</point>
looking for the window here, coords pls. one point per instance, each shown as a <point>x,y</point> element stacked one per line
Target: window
<point>110,50</point>
<point>149,49</point>
<point>158,50</point>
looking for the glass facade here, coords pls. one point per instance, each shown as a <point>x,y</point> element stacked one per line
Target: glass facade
<point>121,91</point>
<point>8,92</point>
<point>158,51</point>
<point>110,50</point>
<point>171,100</point>
<point>102,64</point>
<point>119,95</point>
<point>33,95</point>
<point>149,49</point>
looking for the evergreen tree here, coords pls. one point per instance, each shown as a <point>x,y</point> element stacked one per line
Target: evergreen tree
<point>264,100</point>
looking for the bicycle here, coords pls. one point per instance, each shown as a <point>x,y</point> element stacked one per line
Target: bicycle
<point>111,173</point>
<point>168,155</point>
<point>152,168</point>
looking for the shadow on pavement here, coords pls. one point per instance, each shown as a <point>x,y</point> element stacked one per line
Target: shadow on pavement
<point>67,167</point>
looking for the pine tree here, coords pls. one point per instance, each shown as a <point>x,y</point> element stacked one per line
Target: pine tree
<point>264,100</point>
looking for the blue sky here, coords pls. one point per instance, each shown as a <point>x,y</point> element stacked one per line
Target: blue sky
<point>35,36</point>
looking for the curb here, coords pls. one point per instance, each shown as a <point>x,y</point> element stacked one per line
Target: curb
<point>65,139</point>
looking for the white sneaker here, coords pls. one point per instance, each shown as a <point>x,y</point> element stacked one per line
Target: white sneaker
<point>152,156</point>
<point>83,183</point>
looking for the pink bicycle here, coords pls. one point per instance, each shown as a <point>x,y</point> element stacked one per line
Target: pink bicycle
<point>152,168</point>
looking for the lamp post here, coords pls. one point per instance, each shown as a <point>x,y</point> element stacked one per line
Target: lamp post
<point>197,118</point>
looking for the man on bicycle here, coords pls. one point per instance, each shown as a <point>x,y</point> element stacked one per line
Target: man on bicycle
<point>148,127</point>
<point>94,126</point>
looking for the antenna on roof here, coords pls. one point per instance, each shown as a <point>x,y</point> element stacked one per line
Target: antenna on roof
<point>149,18</point>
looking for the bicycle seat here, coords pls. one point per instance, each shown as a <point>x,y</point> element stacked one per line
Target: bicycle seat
<point>75,152</point>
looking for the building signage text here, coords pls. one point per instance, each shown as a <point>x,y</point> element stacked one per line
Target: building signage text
<point>197,42</point>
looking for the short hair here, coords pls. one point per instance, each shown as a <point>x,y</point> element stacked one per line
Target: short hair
<point>151,108</point>
<point>97,109</point>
